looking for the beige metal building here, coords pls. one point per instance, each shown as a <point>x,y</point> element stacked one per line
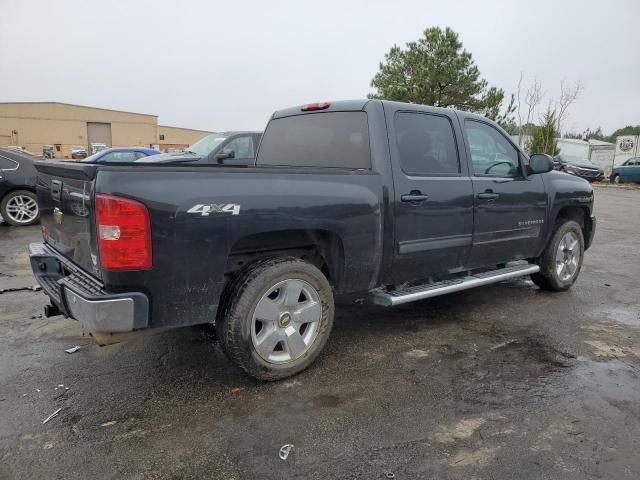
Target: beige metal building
<point>61,126</point>
<point>178,138</point>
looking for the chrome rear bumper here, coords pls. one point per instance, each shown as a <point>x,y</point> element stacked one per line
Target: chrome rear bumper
<point>78,295</point>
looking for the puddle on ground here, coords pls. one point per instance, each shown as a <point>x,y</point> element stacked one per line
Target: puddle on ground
<point>621,314</point>
<point>614,380</point>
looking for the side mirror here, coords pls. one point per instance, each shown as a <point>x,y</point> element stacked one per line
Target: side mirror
<point>540,163</point>
<point>225,154</point>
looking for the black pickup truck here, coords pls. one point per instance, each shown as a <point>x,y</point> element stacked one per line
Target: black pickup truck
<point>389,201</point>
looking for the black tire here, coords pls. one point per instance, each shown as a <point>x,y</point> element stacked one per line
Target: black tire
<point>12,195</point>
<point>235,322</point>
<point>548,277</point>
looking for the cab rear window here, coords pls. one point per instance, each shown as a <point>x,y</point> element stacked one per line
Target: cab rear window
<point>327,139</point>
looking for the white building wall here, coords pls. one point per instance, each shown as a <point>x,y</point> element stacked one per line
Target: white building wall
<point>573,148</point>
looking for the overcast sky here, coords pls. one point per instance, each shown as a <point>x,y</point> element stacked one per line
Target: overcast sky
<point>222,65</point>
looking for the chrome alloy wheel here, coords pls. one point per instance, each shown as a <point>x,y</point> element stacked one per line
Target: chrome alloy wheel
<point>567,256</point>
<point>286,321</point>
<point>22,209</point>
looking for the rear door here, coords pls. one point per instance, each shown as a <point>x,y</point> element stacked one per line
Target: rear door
<point>509,206</point>
<point>433,199</point>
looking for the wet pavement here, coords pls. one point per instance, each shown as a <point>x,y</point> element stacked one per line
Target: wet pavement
<point>505,381</point>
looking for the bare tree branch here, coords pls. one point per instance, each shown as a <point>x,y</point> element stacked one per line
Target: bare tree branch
<point>532,98</point>
<point>519,111</point>
<point>568,96</point>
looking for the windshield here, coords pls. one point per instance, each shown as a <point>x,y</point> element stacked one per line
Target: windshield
<point>93,157</point>
<point>206,145</point>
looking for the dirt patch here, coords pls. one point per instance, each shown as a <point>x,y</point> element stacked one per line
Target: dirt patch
<point>475,458</point>
<point>461,430</point>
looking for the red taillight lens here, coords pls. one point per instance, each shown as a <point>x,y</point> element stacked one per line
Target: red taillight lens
<point>124,233</point>
<point>316,106</point>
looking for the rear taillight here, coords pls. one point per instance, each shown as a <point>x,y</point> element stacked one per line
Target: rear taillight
<point>124,233</point>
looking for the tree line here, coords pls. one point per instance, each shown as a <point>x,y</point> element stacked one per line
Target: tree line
<point>437,70</point>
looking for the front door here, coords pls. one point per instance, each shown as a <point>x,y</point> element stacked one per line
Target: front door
<point>433,199</point>
<point>509,206</point>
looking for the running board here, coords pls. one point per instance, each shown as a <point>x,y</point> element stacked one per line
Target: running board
<point>420,292</point>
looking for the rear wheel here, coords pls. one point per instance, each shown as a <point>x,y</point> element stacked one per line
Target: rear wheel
<point>20,208</point>
<point>561,260</point>
<point>276,317</point>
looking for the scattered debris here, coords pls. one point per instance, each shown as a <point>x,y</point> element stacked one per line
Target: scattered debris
<point>390,475</point>
<point>503,344</point>
<point>295,383</point>
<point>415,353</point>
<point>38,390</point>
<point>236,389</point>
<point>54,414</point>
<point>284,451</point>
<point>108,424</point>
<point>33,288</point>
<point>73,349</point>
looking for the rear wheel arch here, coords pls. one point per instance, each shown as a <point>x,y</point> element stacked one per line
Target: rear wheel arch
<point>320,247</point>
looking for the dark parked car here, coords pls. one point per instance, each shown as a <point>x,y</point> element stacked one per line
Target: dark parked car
<point>388,201</point>
<point>121,155</point>
<point>229,148</point>
<point>629,171</point>
<point>18,203</point>
<point>580,167</point>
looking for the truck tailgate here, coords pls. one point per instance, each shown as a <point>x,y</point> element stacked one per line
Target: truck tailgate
<point>65,197</point>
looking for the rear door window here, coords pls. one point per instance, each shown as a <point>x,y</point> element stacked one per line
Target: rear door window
<point>327,139</point>
<point>426,145</point>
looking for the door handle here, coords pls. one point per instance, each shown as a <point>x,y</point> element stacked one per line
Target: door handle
<point>488,196</point>
<point>414,196</point>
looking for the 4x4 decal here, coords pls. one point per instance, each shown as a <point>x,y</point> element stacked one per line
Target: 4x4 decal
<point>205,210</point>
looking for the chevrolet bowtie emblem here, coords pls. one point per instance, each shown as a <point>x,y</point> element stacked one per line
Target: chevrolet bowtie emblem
<point>57,215</point>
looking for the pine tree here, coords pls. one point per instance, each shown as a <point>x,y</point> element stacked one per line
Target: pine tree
<point>436,70</point>
<point>544,136</point>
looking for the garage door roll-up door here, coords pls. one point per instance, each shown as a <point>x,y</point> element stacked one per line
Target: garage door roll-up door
<point>99,133</point>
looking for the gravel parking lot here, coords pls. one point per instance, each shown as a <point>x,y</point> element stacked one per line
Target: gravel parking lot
<point>505,381</point>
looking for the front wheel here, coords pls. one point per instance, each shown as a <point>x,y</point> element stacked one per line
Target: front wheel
<point>561,261</point>
<point>276,317</point>
<point>617,180</point>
